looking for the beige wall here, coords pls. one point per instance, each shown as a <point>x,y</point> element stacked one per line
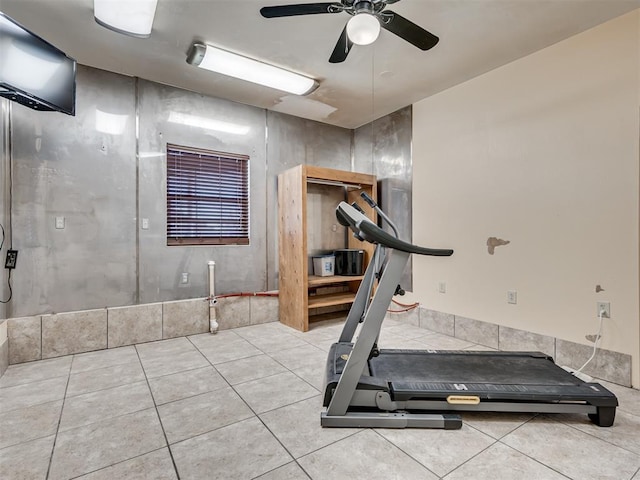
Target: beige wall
<point>542,152</point>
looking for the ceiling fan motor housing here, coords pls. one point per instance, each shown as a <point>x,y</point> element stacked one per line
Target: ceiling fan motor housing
<point>362,6</point>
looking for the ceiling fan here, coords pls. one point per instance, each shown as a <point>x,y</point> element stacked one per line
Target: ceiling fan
<point>367,16</point>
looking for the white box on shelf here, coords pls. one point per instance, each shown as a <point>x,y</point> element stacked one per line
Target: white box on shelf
<point>324,266</point>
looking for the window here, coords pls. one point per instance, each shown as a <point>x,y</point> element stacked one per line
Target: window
<point>207,197</point>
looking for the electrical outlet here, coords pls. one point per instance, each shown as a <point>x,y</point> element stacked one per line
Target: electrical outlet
<point>512,297</point>
<point>604,307</point>
<point>59,223</point>
<point>442,287</point>
<point>185,277</point>
<point>12,258</point>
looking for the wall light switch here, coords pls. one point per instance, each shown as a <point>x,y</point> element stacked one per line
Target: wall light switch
<point>145,224</point>
<point>442,287</point>
<point>59,223</point>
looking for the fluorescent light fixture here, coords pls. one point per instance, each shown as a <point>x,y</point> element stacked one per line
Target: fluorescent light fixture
<point>208,123</point>
<point>130,17</point>
<point>244,68</point>
<point>363,28</point>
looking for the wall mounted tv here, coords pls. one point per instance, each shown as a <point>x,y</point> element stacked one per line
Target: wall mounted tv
<point>33,72</point>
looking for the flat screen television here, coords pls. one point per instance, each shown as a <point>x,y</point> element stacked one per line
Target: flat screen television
<point>33,72</point>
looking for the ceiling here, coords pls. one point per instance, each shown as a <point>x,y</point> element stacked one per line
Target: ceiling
<point>475,36</point>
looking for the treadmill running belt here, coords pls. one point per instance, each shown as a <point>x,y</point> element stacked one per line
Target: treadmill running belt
<point>469,368</point>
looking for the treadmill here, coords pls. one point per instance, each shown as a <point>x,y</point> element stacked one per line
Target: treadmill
<point>368,387</point>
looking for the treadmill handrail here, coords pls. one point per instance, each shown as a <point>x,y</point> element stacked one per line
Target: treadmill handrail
<point>366,230</point>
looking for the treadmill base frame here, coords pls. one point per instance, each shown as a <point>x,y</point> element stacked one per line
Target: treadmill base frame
<point>391,420</point>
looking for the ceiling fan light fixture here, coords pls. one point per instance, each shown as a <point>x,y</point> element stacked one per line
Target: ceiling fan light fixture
<point>245,68</point>
<point>129,17</point>
<point>363,28</point>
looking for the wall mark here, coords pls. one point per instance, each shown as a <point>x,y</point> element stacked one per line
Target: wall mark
<point>493,242</point>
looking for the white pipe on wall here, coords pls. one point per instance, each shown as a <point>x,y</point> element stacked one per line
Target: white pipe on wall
<point>213,324</point>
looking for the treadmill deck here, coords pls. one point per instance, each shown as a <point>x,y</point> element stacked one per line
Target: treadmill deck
<point>514,376</point>
<point>528,368</point>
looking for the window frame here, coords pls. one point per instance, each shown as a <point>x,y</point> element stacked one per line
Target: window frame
<point>206,199</point>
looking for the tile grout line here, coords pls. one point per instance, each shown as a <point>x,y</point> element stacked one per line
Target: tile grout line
<point>117,463</point>
<point>288,369</point>
<point>250,409</point>
<point>55,439</point>
<point>32,382</point>
<point>105,389</point>
<point>275,436</point>
<point>571,425</point>
<point>35,438</point>
<point>155,406</point>
<point>385,439</point>
<point>471,458</point>
<point>104,368</point>
<point>537,415</point>
<point>499,441</point>
<point>281,466</point>
<point>293,403</point>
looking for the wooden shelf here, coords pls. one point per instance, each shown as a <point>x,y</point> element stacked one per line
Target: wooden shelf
<point>331,299</point>
<point>300,233</point>
<point>316,281</point>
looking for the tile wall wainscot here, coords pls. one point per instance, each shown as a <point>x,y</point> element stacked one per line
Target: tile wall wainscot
<point>608,365</point>
<point>4,347</point>
<point>134,324</point>
<point>233,312</point>
<point>73,332</point>
<point>26,339</point>
<point>412,317</point>
<point>436,321</point>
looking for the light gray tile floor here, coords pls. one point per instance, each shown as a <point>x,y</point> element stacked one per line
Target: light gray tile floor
<point>246,403</point>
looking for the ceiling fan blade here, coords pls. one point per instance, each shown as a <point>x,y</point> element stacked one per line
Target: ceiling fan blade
<point>342,48</point>
<point>300,9</point>
<point>408,30</point>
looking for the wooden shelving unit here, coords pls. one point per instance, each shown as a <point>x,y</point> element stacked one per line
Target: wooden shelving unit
<point>299,291</point>
<point>315,281</point>
<point>331,299</point>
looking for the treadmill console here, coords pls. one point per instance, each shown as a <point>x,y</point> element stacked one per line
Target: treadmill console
<point>364,229</point>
